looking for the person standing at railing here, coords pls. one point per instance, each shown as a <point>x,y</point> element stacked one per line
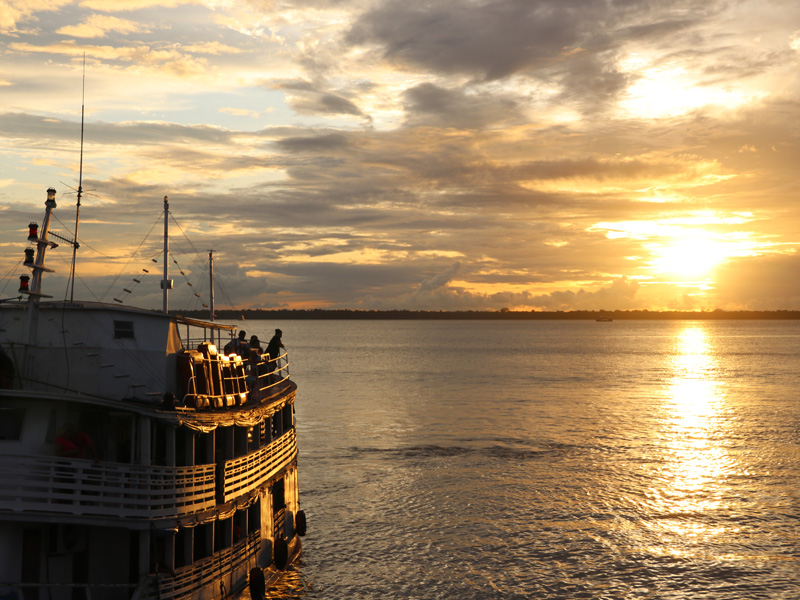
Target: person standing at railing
<point>238,346</point>
<point>255,353</point>
<point>255,345</point>
<point>274,350</point>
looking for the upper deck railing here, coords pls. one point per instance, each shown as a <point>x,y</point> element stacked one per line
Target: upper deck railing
<point>210,380</point>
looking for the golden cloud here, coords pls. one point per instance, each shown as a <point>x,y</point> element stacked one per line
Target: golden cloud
<point>98,26</point>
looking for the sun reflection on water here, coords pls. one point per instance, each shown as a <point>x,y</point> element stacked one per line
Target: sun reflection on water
<point>694,461</point>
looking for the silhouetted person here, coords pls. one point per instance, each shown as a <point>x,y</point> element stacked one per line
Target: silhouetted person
<point>238,346</point>
<point>274,349</point>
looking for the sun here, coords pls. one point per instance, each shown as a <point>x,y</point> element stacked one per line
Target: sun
<point>689,257</point>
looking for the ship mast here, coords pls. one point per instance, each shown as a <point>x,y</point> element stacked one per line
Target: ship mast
<point>80,186</point>
<point>42,244</point>
<point>211,282</point>
<point>166,283</point>
<point>37,264</point>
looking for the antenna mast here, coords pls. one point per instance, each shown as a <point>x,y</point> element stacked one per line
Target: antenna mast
<point>80,185</point>
<point>166,283</point>
<point>211,281</point>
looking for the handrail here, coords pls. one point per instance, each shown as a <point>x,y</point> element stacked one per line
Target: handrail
<point>269,374</point>
<point>247,473</point>
<point>84,487</point>
<point>230,563</point>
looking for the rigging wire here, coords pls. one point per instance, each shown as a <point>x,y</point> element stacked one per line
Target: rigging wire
<point>9,277</point>
<point>130,260</point>
<point>224,291</point>
<point>72,275</point>
<point>188,283</point>
<point>82,242</point>
<point>201,260</point>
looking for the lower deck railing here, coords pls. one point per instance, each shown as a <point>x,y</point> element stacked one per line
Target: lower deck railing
<point>219,574</point>
<point>84,487</point>
<point>223,568</point>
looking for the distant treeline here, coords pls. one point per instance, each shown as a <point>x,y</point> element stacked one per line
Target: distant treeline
<point>504,315</point>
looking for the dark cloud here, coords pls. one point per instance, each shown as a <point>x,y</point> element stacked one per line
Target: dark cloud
<point>316,97</point>
<point>491,39</point>
<point>494,39</point>
<point>325,104</point>
<point>592,83</point>
<point>318,143</point>
<point>429,104</point>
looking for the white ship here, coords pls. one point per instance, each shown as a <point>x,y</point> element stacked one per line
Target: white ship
<point>136,459</point>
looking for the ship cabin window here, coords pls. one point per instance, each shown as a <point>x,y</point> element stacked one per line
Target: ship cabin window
<point>123,330</point>
<point>11,423</point>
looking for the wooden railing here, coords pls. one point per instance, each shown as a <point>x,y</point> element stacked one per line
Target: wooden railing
<point>247,473</point>
<point>268,375</point>
<point>84,487</point>
<point>229,567</point>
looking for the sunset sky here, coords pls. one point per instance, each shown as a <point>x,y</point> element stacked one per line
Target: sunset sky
<point>408,154</point>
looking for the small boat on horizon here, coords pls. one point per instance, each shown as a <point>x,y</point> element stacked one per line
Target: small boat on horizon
<point>604,319</point>
<point>137,459</point>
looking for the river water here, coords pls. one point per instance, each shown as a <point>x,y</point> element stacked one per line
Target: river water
<point>546,459</point>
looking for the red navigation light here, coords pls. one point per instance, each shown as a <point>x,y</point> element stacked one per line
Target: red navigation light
<point>28,256</point>
<point>23,283</point>
<point>33,231</point>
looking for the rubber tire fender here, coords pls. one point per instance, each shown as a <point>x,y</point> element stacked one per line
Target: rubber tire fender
<point>300,522</point>
<point>257,585</point>
<point>280,553</point>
